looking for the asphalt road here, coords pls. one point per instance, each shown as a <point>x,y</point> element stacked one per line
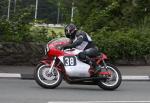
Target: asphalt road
<point>27,91</point>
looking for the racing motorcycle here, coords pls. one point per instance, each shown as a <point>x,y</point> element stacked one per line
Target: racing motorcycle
<point>58,65</point>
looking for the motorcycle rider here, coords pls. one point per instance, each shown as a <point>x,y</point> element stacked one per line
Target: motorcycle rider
<point>81,40</point>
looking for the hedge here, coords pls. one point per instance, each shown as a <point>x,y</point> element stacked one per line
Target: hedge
<point>123,44</point>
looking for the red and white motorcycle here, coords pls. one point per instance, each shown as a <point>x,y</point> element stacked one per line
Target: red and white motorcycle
<point>64,64</point>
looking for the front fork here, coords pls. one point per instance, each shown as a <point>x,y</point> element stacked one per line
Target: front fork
<point>52,65</point>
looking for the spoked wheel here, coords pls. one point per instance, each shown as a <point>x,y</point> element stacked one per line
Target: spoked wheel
<point>113,81</point>
<point>47,79</point>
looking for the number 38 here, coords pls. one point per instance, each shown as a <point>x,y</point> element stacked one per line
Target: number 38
<point>69,61</point>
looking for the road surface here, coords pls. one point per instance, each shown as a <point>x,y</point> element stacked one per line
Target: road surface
<point>27,91</point>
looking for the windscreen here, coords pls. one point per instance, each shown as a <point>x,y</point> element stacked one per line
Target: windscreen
<point>58,42</point>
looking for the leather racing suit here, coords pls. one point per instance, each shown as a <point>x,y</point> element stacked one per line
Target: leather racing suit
<point>82,41</point>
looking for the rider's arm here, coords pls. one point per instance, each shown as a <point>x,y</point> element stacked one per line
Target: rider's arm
<point>76,43</point>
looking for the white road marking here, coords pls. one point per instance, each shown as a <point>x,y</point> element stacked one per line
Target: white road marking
<point>135,77</point>
<point>10,75</point>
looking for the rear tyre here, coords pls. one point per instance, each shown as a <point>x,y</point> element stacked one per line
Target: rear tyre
<point>45,79</point>
<point>112,82</point>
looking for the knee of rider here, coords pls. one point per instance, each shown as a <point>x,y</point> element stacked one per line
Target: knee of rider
<point>82,56</point>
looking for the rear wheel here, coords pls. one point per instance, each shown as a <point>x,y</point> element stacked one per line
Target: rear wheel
<point>113,81</point>
<point>47,79</point>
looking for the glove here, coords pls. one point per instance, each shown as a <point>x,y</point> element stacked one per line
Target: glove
<point>67,47</point>
<point>61,48</point>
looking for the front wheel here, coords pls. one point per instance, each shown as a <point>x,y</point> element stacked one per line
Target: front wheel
<point>113,81</point>
<point>47,79</point>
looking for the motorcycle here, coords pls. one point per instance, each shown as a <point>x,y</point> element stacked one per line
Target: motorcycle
<point>58,65</point>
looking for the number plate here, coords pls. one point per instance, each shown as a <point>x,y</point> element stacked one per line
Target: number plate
<point>69,61</point>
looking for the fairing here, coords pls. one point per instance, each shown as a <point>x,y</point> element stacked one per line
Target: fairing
<point>79,70</point>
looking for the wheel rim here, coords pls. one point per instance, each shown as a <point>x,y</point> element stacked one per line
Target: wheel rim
<point>48,78</point>
<point>113,79</point>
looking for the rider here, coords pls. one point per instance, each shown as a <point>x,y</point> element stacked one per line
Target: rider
<point>81,40</point>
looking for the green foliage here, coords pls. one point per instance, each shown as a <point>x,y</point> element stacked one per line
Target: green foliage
<point>120,28</point>
<point>65,10</point>
<point>99,18</point>
<point>17,29</point>
<point>119,44</point>
<point>3,7</point>
<point>113,14</point>
<point>39,34</point>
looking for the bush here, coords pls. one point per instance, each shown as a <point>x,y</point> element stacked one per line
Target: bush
<point>14,31</point>
<point>123,44</point>
<point>39,34</point>
<point>17,28</point>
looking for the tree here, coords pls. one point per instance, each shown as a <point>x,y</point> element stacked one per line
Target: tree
<point>111,14</point>
<point>3,8</point>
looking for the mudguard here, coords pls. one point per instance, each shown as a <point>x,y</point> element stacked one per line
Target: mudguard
<point>46,60</point>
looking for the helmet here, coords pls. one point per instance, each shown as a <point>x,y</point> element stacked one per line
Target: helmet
<point>70,30</point>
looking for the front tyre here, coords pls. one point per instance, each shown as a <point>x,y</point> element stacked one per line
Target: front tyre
<point>113,81</point>
<point>45,79</point>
